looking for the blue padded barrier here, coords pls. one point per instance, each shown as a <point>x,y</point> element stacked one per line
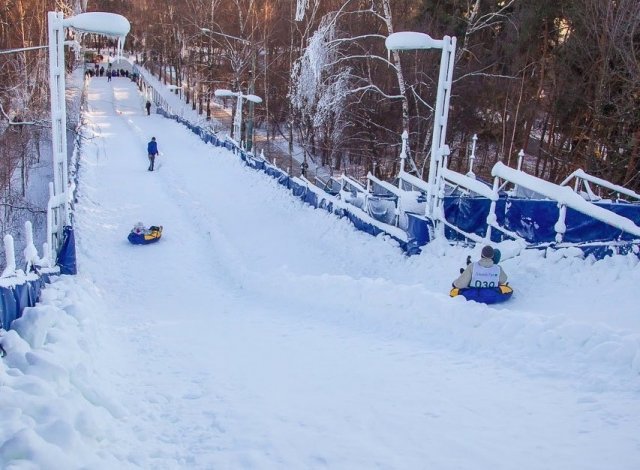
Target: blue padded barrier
<point>67,254</point>
<point>419,229</point>
<point>15,298</point>
<point>8,307</point>
<point>299,190</point>
<point>21,292</point>
<point>310,198</point>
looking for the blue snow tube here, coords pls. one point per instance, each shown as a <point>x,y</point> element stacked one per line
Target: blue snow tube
<point>485,295</point>
<point>149,236</point>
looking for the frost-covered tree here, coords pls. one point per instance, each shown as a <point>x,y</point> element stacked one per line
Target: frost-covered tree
<point>320,85</point>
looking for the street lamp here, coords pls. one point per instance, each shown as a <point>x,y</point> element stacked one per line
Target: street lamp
<point>408,40</point>
<point>249,129</point>
<point>107,24</point>
<point>237,122</point>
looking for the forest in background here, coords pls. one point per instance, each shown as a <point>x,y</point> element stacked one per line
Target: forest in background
<point>557,78</point>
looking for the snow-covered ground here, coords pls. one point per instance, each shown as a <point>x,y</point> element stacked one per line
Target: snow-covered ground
<point>261,333</point>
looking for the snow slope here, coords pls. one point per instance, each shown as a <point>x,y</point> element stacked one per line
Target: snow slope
<point>261,333</point>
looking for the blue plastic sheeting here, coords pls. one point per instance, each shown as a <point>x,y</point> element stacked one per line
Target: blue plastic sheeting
<point>469,214</point>
<point>8,307</point>
<point>310,198</point>
<point>67,254</point>
<point>14,299</point>
<point>362,225</point>
<point>298,190</point>
<point>534,220</point>
<point>382,208</point>
<point>419,229</point>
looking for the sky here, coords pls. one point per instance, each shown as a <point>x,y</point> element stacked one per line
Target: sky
<point>261,333</point>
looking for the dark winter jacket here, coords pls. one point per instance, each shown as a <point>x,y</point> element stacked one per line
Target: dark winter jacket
<point>152,148</point>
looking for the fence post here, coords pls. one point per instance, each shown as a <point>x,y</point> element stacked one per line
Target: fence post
<point>561,227</point>
<point>491,217</point>
<point>30,251</point>
<point>472,157</point>
<point>10,255</point>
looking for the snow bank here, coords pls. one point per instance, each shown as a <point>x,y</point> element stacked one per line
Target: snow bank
<point>56,410</point>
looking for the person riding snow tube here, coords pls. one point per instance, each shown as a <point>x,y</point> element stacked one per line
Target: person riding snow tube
<point>483,281</point>
<point>140,235</point>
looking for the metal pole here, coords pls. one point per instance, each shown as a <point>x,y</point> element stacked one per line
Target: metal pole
<point>440,117</point>
<point>472,157</point>
<point>252,85</point>
<point>403,154</point>
<point>58,117</point>
<point>237,122</point>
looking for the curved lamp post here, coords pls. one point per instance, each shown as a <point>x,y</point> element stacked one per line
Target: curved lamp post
<point>409,41</point>
<point>249,127</point>
<point>107,24</point>
<point>237,122</point>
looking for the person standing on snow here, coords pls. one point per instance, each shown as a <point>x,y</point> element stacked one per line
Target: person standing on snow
<point>148,106</point>
<point>482,273</point>
<point>152,150</point>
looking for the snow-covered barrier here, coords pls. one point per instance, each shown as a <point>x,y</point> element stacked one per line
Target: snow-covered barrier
<point>19,288</point>
<point>18,293</point>
<point>477,213</point>
<point>553,217</point>
<point>304,189</point>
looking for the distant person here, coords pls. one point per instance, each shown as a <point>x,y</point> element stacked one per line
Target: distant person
<point>148,106</point>
<point>482,273</point>
<point>108,75</point>
<point>152,150</point>
<point>139,229</point>
<point>101,71</point>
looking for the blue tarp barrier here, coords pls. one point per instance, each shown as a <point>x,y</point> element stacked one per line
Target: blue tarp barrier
<point>21,292</point>
<point>311,198</point>
<point>362,225</point>
<point>14,299</point>
<point>382,208</point>
<point>419,229</point>
<point>67,255</point>
<point>8,307</point>
<point>533,219</point>
<point>469,214</point>
<point>298,190</point>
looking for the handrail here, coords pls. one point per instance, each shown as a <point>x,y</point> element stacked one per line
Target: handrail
<point>469,183</point>
<point>581,174</point>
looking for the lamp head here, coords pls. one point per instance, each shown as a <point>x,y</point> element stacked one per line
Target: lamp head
<point>223,93</point>
<point>253,98</point>
<point>409,40</point>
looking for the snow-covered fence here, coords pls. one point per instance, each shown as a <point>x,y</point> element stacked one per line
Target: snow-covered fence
<point>390,203</point>
<point>303,188</point>
<point>466,209</point>
<point>20,288</point>
<point>471,210</point>
<point>565,198</point>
